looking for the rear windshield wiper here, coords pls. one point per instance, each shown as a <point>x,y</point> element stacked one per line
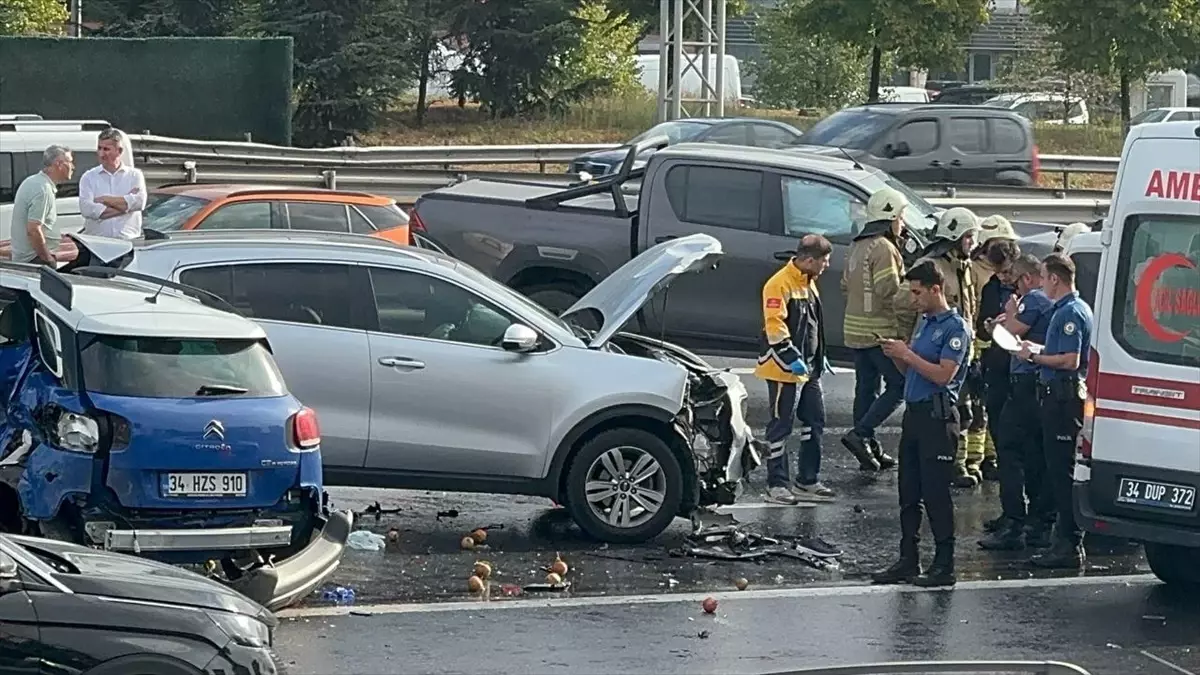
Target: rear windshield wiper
<point>219,390</point>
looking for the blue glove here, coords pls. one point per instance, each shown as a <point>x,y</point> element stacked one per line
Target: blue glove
<point>798,367</point>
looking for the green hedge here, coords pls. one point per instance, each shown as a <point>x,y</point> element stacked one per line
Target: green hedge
<point>211,88</point>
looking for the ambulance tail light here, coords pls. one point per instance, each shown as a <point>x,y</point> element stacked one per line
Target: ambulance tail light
<point>1089,405</point>
<point>1037,164</point>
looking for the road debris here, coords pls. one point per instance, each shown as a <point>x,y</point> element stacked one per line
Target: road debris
<point>709,605</point>
<point>475,584</point>
<point>449,513</point>
<point>729,541</point>
<point>467,543</point>
<point>376,511</point>
<point>342,595</point>
<point>554,579</point>
<point>559,566</point>
<point>479,534</point>
<point>366,540</point>
<point>552,588</point>
<point>483,569</point>
<point>742,583</point>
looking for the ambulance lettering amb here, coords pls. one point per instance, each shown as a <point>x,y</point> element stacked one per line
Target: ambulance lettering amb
<point>1184,185</point>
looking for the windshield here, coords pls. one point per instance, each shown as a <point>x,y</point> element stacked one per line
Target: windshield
<point>677,131</point>
<point>849,129</point>
<point>178,368</point>
<point>917,215</point>
<point>167,213</point>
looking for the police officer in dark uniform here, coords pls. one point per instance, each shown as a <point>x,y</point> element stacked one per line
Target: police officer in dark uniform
<point>1062,366</point>
<point>934,368</point>
<point>1022,466</point>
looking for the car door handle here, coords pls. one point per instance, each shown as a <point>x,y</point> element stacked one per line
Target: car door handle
<point>784,256</point>
<point>665,237</point>
<point>936,162</point>
<point>956,162</point>
<point>401,362</point>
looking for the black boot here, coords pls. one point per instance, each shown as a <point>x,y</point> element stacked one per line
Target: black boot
<point>1010,537</point>
<point>941,572</point>
<point>904,570</point>
<point>1063,555</point>
<point>995,524</point>
<point>990,471</point>
<point>857,445</point>
<point>1037,534</point>
<point>885,460</point>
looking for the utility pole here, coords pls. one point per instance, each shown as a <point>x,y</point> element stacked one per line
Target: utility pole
<point>75,18</point>
<point>704,56</point>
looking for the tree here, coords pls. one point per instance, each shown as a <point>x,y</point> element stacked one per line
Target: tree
<point>28,17</point>
<point>1128,38</point>
<point>513,64</point>
<point>921,33</point>
<point>172,18</point>
<point>800,70</point>
<point>604,56</point>
<point>352,60</point>
<point>1044,70</point>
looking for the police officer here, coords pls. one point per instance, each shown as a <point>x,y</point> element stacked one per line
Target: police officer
<point>1062,366</point>
<point>1027,315</point>
<point>792,362</point>
<point>953,239</point>
<point>934,367</point>
<point>870,282</point>
<point>994,252</point>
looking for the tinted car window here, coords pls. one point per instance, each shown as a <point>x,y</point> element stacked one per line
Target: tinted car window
<point>308,293</point>
<point>968,134</point>
<point>239,216</point>
<point>676,131</point>
<point>359,223</point>
<point>8,187</point>
<point>384,217</point>
<point>1154,115</point>
<point>729,134</point>
<point>813,207</point>
<point>320,216</point>
<point>771,136</point>
<point>849,129</point>
<point>1008,137</point>
<point>711,196</point>
<point>921,136</point>
<point>167,213</point>
<point>418,305</point>
<point>173,368</point>
<point>1157,296</point>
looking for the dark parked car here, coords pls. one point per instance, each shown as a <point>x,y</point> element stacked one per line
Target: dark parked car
<point>967,94</point>
<point>70,609</point>
<point>758,133</point>
<point>930,143</point>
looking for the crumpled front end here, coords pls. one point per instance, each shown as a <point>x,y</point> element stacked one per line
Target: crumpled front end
<point>713,421</point>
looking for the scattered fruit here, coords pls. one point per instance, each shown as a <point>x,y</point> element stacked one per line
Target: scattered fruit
<point>483,570</point>
<point>560,566</point>
<point>393,535</point>
<point>479,535</point>
<point>475,584</point>
<point>742,583</point>
<point>467,543</point>
<point>709,605</point>
<point>554,579</point>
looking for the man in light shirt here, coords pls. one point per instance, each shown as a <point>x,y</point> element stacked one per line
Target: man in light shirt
<point>35,234</point>
<point>113,194</point>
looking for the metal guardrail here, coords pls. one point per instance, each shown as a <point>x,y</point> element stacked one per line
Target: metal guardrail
<point>945,668</point>
<point>149,147</point>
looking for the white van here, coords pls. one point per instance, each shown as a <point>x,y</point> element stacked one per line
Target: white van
<point>649,66</point>
<point>1138,467</point>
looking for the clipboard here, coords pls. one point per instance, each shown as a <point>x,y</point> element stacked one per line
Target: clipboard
<point>1009,342</point>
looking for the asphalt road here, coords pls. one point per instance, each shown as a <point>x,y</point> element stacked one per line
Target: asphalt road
<point>1118,626</point>
<point>426,563</point>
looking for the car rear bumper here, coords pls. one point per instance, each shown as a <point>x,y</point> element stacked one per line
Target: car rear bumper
<point>1095,490</point>
<point>217,539</point>
<point>277,586</point>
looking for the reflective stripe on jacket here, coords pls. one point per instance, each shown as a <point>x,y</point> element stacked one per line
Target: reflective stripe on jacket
<point>870,281</point>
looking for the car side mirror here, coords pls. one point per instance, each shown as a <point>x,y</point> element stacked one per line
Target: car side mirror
<point>9,576</point>
<point>901,149</point>
<point>519,338</point>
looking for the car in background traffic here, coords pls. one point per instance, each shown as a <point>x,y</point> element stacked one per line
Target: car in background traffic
<point>428,374</point>
<point>1043,107</point>
<point>1166,115</point>
<point>68,608</point>
<point>748,131</point>
<point>967,94</point>
<point>192,206</point>
<point>931,143</point>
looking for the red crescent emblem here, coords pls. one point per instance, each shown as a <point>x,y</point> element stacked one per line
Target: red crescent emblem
<point>1144,295</point>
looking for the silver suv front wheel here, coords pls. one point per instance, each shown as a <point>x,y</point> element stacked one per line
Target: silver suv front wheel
<point>624,486</point>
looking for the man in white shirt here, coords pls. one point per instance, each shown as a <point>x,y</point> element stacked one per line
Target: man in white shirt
<point>113,194</point>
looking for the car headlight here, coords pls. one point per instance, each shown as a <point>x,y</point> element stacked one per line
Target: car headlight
<point>76,432</point>
<point>242,629</point>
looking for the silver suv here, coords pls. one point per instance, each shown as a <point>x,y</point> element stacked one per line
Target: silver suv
<point>427,374</point>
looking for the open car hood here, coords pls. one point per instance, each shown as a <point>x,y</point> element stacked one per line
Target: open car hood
<point>627,290</point>
<point>101,251</point>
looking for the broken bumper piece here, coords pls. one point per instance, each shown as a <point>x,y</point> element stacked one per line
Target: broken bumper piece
<point>218,539</point>
<point>280,585</point>
<point>718,537</point>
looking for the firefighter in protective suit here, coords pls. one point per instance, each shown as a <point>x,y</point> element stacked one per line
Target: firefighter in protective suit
<point>992,229</point>
<point>1067,234</point>
<point>952,240</point>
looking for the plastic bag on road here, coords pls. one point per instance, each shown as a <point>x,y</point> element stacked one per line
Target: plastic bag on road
<point>365,540</point>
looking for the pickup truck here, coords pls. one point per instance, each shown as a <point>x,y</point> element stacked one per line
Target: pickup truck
<point>555,244</point>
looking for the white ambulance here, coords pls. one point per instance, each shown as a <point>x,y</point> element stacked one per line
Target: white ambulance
<point>1138,469</point>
